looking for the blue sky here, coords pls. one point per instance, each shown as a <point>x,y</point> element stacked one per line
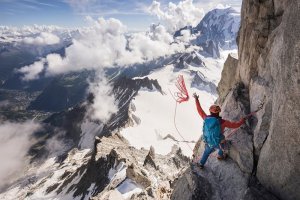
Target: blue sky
<point>71,13</point>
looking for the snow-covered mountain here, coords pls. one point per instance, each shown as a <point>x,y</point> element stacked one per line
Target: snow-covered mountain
<point>141,148</point>
<point>218,29</point>
<point>139,152</point>
<point>220,26</point>
<point>28,34</point>
<point>120,167</point>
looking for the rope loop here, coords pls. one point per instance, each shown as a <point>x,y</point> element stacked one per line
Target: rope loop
<point>182,95</point>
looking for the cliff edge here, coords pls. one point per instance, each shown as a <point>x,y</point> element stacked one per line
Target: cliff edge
<point>264,157</point>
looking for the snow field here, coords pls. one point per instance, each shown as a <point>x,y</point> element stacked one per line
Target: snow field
<point>156,111</point>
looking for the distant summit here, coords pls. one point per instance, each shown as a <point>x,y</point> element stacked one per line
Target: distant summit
<point>218,29</point>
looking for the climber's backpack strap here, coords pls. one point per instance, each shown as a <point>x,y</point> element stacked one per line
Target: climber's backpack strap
<point>212,131</point>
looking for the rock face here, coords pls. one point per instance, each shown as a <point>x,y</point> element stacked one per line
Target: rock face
<point>218,180</point>
<point>228,74</point>
<point>235,107</point>
<point>269,64</point>
<point>191,186</point>
<point>153,178</point>
<point>200,81</point>
<point>109,170</point>
<point>269,67</point>
<point>265,151</point>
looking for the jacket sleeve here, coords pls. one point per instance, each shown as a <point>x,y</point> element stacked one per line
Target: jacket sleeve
<point>230,124</point>
<point>200,110</point>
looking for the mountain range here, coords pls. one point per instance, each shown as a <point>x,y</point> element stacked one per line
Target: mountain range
<point>143,149</point>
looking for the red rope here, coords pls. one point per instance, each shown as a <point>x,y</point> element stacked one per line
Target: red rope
<point>183,94</point>
<point>174,120</point>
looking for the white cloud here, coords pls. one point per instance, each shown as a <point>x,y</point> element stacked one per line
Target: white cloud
<point>44,38</point>
<point>15,141</point>
<point>32,71</point>
<point>104,102</point>
<point>100,46</point>
<point>105,44</point>
<point>144,47</point>
<point>208,5</point>
<point>186,36</point>
<point>177,16</point>
<point>58,144</point>
<point>222,6</point>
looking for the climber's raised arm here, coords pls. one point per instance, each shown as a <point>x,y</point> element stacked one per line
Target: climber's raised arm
<point>199,108</point>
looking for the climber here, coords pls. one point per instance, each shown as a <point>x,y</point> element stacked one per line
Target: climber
<point>213,129</point>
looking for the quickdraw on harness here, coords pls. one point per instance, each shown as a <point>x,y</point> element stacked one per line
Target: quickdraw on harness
<point>181,96</point>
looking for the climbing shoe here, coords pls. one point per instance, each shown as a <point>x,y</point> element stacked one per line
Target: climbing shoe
<point>222,157</point>
<point>200,165</point>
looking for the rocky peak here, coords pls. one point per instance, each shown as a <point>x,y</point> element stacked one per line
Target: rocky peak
<point>220,26</point>
<point>228,73</point>
<point>151,172</point>
<point>218,29</point>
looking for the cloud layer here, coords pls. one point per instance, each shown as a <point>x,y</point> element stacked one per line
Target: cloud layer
<point>15,141</point>
<point>44,38</point>
<point>104,102</point>
<point>177,16</point>
<point>106,44</point>
<point>32,71</point>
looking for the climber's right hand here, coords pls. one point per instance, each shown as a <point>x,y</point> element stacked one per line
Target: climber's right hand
<point>244,119</point>
<point>196,96</point>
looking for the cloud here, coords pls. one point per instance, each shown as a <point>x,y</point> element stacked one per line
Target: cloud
<point>4,104</point>
<point>222,6</point>
<point>58,144</point>
<point>208,5</point>
<point>106,44</point>
<point>104,102</point>
<point>144,47</point>
<point>32,71</point>
<point>35,35</point>
<point>177,16</point>
<point>15,141</point>
<point>44,38</point>
<point>186,36</point>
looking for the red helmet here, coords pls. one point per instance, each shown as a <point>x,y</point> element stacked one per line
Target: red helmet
<point>215,109</point>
